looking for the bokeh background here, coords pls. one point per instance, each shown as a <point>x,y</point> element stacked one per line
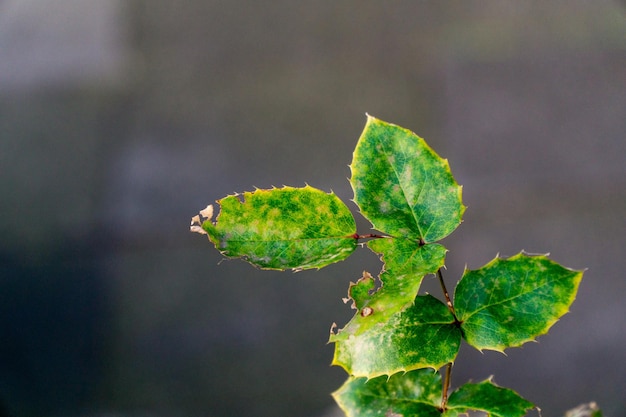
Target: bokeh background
<point>119,120</point>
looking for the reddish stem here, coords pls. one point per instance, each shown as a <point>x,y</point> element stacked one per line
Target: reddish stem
<point>446,295</point>
<point>446,386</point>
<point>368,236</point>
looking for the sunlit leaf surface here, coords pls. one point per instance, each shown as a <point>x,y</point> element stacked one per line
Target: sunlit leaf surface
<point>402,186</point>
<point>282,228</point>
<point>489,398</point>
<point>423,335</point>
<point>416,393</point>
<point>509,302</point>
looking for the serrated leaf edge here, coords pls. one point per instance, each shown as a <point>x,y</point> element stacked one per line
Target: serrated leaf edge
<point>204,223</point>
<point>550,323</point>
<point>459,188</point>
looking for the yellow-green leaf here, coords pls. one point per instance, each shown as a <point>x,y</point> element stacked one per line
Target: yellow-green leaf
<point>282,228</point>
<point>509,302</point>
<point>424,335</point>
<point>402,186</point>
<point>405,265</point>
<point>489,398</point>
<point>416,393</point>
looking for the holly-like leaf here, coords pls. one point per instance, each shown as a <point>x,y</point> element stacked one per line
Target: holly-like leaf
<point>423,335</point>
<point>406,262</point>
<point>282,228</point>
<point>509,302</point>
<point>402,186</point>
<point>489,398</point>
<point>416,393</point>
<point>407,191</point>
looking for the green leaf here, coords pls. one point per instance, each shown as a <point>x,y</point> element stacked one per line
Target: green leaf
<point>299,228</point>
<point>402,186</point>
<point>416,393</point>
<point>422,336</point>
<point>509,302</point>
<point>407,191</point>
<point>405,265</point>
<point>488,397</point>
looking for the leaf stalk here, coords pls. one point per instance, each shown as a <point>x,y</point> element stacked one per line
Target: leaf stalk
<point>446,295</point>
<point>446,386</point>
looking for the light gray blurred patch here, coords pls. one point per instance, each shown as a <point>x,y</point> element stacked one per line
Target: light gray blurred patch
<point>61,43</point>
<point>154,188</point>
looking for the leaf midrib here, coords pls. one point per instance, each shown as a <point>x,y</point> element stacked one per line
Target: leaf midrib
<point>402,188</point>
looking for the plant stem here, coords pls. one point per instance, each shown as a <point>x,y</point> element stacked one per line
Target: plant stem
<point>445,294</point>
<point>446,379</point>
<point>446,385</point>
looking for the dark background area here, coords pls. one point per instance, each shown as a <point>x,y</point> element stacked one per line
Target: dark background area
<point>120,120</point>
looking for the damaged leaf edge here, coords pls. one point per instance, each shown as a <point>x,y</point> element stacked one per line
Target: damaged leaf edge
<point>196,221</point>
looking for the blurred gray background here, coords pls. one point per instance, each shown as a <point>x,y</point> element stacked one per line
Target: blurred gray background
<point>119,120</point>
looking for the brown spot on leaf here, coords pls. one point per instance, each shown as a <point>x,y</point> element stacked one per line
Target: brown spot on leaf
<point>367,311</point>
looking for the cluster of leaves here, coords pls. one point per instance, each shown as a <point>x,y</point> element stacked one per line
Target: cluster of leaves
<point>397,340</point>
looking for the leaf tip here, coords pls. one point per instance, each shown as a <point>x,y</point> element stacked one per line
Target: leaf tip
<point>370,120</point>
<point>198,219</point>
<point>524,252</point>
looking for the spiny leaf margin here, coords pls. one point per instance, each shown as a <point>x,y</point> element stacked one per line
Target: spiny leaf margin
<point>402,186</point>
<point>488,397</point>
<point>511,301</point>
<point>418,393</point>
<point>424,335</point>
<point>282,228</point>
<point>405,264</point>
<point>415,393</point>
